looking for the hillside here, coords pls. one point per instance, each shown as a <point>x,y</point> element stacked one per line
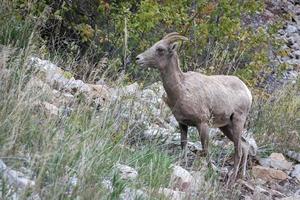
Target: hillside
<point>79,119</point>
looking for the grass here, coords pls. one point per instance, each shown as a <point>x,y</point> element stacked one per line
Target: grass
<point>275,121</point>
<point>80,145</point>
<point>84,147</point>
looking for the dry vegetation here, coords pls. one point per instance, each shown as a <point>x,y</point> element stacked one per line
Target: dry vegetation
<point>70,156</point>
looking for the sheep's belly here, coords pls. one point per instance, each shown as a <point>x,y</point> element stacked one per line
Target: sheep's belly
<point>187,118</point>
<point>193,118</point>
<point>220,121</point>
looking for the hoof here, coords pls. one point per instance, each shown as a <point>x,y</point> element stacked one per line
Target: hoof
<point>201,153</point>
<point>231,179</point>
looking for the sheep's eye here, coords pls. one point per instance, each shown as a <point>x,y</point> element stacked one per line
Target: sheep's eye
<point>159,50</point>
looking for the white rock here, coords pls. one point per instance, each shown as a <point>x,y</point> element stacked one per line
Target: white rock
<point>155,132</point>
<point>51,109</point>
<point>172,194</point>
<point>181,179</point>
<point>294,197</point>
<point>133,194</point>
<point>15,178</point>
<point>173,121</point>
<point>73,181</point>
<point>129,90</point>
<point>45,66</point>
<point>107,184</point>
<point>291,29</point>
<point>77,86</point>
<point>294,155</point>
<point>278,161</point>
<point>126,172</point>
<point>296,172</point>
<point>195,146</point>
<point>214,132</point>
<point>297,54</point>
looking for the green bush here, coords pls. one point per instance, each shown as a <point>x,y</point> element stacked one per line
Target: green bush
<point>220,42</point>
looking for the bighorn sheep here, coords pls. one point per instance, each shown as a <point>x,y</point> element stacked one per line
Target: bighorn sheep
<point>199,100</point>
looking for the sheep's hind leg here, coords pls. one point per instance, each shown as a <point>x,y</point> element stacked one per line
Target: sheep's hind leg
<point>234,132</point>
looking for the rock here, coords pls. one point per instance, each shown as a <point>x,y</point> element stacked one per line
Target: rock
<point>99,94</point>
<point>75,86</point>
<point>181,179</point>
<point>128,90</point>
<point>73,181</point>
<point>126,172</point>
<point>198,180</point>
<point>156,132</point>
<point>291,29</point>
<point>173,121</point>
<point>45,66</point>
<point>37,85</point>
<point>277,156</point>
<point>214,133</point>
<point>194,146</point>
<point>61,81</point>
<point>247,185</point>
<point>62,98</point>
<point>295,197</point>
<point>296,172</point>
<point>265,162</point>
<point>15,178</point>
<point>107,184</point>
<point>51,109</point>
<point>295,46</point>
<point>172,194</point>
<point>58,82</point>
<point>293,62</point>
<point>261,194</point>
<point>294,155</point>
<point>133,194</point>
<point>268,174</point>
<point>297,54</point>
<point>276,161</point>
<point>247,197</point>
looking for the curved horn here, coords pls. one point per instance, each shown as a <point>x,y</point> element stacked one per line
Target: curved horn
<point>175,38</point>
<point>170,34</point>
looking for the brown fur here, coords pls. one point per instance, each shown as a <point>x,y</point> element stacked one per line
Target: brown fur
<point>199,100</point>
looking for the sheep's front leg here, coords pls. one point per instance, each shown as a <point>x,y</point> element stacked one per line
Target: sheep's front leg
<point>183,139</point>
<point>203,130</point>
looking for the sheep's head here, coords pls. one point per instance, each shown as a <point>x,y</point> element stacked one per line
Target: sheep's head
<point>160,54</point>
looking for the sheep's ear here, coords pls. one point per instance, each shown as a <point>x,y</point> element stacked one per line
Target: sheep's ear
<point>173,47</point>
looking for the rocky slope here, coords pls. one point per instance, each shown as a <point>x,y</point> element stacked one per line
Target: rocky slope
<point>267,178</point>
<point>274,177</point>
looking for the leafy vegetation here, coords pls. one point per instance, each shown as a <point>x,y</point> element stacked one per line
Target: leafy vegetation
<point>220,42</point>
<point>96,39</point>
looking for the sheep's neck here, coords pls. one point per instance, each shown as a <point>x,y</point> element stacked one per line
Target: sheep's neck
<point>172,77</point>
